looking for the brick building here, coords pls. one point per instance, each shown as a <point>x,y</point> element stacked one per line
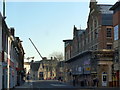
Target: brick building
<point>87,60</point>
<point>116,25</point>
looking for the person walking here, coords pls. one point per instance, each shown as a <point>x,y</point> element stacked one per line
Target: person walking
<point>74,81</point>
<point>97,82</point>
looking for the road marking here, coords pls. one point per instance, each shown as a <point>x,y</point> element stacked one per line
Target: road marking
<point>57,85</point>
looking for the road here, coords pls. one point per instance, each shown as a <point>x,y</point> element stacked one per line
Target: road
<point>50,84</point>
<point>55,85</point>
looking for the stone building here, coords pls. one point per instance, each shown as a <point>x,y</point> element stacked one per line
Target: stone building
<point>68,55</point>
<point>116,25</point>
<point>44,69</point>
<point>61,71</point>
<point>84,54</point>
<point>47,69</point>
<point>34,66</point>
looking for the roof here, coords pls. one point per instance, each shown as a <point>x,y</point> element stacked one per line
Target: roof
<point>117,4</point>
<point>105,8</point>
<point>78,56</point>
<point>67,40</point>
<point>106,14</point>
<point>35,66</point>
<point>81,31</point>
<point>48,61</point>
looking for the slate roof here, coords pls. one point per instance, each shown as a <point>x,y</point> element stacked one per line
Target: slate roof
<point>105,9</point>
<point>106,14</point>
<point>35,66</point>
<point>116,5</point>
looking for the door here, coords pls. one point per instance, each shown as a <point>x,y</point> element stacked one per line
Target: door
<point>104,79</point>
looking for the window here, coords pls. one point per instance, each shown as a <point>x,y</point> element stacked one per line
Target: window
<point>116,32</point>
<point>109,46</point>
<point>95,23</point>
<point>95,34</point>
<point>109,33</point>
<point>96,47</point>
<point>91,36</point>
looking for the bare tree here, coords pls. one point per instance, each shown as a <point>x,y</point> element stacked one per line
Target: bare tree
<point>57,55</point>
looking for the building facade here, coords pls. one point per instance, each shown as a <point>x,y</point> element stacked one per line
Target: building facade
<point>11,56</point>
<point>34,66</point>
<point>1,51</point>
<point>44,69</point>
<point>61,71</point>
<point>27,69</point>
<point>47,69</point>
<point>116,25</point>
<point>84,54</point>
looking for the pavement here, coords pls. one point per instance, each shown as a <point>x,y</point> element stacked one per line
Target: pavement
<point>26,84</point>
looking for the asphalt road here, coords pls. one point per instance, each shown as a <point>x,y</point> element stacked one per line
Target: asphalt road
<point>55,85</point>
<point>50,84</point>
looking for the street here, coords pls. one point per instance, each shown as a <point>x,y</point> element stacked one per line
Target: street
<point>50,84</point>
<point>55,85</point>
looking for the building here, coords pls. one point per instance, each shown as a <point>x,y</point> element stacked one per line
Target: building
<point>89,55</point>
<point>47,69</point>
<point>61,71</point>
<point>34,66</point>
<point>19,56</point>
<point>4,47</point>
<point>116,25</point>
<point>1,51</point>
<point>100,40</point>
<point>27,69</point>
<point>44,69</point>
<point>11,57</point>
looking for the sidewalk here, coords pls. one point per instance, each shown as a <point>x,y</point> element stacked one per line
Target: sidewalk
<point>93,87</point>
<point>27,84</point>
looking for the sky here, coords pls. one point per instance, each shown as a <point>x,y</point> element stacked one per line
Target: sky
<point>46,23</point>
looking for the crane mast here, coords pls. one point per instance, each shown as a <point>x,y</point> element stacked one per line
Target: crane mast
<point>36,48</point>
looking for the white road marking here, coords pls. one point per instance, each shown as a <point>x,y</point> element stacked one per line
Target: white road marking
<point>57,85</point>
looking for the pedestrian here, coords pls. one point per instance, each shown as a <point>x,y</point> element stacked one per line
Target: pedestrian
<point>59,79</point>
<point>97,82</point>
<point>94,82</point>
<point>85,82</point>
<point>74,81</point>
<point>27,77</point>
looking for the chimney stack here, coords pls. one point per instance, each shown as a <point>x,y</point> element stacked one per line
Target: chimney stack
<point>12,30</point>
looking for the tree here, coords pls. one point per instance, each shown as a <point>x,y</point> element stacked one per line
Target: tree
<point>57,55</point>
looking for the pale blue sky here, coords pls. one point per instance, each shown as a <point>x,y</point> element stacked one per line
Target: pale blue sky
<point>46,23</point>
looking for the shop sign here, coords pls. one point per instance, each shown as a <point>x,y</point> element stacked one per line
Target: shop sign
<point>88,69</point>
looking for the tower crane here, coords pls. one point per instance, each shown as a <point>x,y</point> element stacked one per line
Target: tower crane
<point>37,50</point>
